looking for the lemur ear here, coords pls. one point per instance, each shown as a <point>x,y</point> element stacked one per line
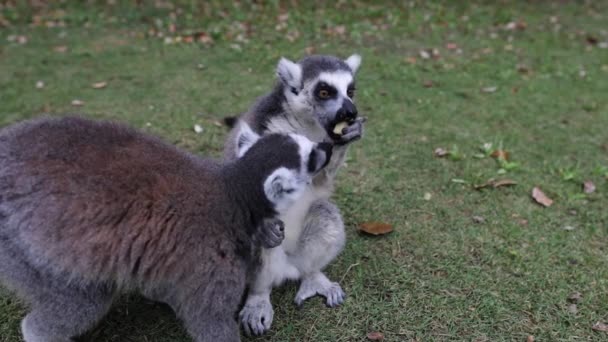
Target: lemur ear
<point>281,188</point>
<point>290,74</point>
<point>353,62</point>
<point>245,138</point>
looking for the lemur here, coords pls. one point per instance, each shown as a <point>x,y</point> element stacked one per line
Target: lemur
<point>314,98</point>
<point>92,209</point>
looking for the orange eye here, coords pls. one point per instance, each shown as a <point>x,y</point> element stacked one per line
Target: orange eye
<point>324,94</point>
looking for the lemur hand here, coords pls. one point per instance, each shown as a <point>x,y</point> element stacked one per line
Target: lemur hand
<point>352,132</point>
<point>271,232</point>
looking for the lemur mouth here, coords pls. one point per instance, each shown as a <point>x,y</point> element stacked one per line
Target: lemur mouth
<point>334,129</point>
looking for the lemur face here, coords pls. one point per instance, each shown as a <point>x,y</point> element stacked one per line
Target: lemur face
<point>322,86</point>
<point>289,163</point>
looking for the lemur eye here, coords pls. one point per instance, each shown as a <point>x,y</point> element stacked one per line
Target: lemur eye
<point>324,94</point>
<point>350,93</point>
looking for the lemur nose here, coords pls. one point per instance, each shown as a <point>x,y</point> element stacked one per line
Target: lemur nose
<point>348,111</point>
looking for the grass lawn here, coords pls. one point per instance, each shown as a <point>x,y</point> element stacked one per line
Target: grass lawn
<point>461,264</point>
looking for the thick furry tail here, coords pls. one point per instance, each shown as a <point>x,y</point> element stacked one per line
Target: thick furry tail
<point>230,121</point>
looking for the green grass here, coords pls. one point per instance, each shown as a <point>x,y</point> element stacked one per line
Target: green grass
<point>439,276</point>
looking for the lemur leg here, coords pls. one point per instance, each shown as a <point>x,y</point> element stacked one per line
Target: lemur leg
<point>59,310</point>
<point>321,241</point>
<point>257,313</point>
<point>60,314</point>
<point>207,307</point>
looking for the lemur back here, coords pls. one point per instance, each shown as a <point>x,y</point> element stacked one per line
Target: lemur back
<point>91,208</point>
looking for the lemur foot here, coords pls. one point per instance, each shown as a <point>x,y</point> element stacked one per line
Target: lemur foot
<point>271,232</point>
<point>319,285</point>
<point>256,316</point>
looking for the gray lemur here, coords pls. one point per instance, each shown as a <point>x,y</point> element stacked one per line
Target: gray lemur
<point>91,209</point>
<point>314,98</point>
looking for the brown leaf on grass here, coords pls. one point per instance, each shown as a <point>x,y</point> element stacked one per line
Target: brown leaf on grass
<point>496,183</point>
<point>441,152</point>
<point>500,154</point>
<point>451,46</point>
<point>77,103</point>
<point>530,338</point>
<point>504,182</point>
<point>575,297</point>
<point>599,326</point>
<point>588,187</point>
<point>491,89</point>
<point>591,40</point>
<point>375,336</point>
<point>478,219</point>
<point>376,228</point>
<point>428,83</point>
<point>60,49</point>
<point>541,198</point>
<point>99,85</point>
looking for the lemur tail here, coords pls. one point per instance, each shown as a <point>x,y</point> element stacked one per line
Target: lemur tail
<point>230,121</point>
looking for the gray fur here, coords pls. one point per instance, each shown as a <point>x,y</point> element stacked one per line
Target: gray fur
<point>92,209</point>
<point>314,230</point>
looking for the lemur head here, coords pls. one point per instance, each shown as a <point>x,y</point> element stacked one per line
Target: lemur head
<point>321,86</point>
<point>286,163</point>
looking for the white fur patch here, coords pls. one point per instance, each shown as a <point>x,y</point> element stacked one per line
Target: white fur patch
<point>245,138</point>
<point>305,147</point>
<point>290,73</point>
<point>353,62</point>
<point>283,187</point>
<point>340,80</point>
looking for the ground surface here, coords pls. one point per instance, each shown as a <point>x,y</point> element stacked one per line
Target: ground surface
<point>462,264</point>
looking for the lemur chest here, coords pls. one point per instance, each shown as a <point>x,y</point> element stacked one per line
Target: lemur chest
<point>295,217</point>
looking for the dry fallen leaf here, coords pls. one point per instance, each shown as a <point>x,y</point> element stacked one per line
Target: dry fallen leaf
<point>500,154</point>
<point>496,183</point>
<point>60,48</point>
<point>504,182</point>
<point>451,46</point>
<point>376,228</point>
<point>588,187</point>
<point>489,89</point>
<point>77,103</point>
<point>428,84</point>
<point>99,85</point>
<point>599,326</point>
<point>375,336</point>
<point>530,338</point>
<point>541,198</point>
<point>575,297</point>
<point>441,152</point>
<point>478,219</point>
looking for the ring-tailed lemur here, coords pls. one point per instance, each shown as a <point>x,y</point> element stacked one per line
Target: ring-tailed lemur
<point>90,209</point>
<point>313,97</point>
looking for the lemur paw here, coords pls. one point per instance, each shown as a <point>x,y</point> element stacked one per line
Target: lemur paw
<point>352,132</point>
<point>310,287</point>
<point>271,232</point>
<point>256,316</point>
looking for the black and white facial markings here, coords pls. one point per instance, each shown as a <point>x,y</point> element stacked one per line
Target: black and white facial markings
<point>301,159</point>
<point>321,85</point>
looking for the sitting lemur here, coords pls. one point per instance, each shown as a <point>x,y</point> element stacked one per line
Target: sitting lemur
<point>314,98</point>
